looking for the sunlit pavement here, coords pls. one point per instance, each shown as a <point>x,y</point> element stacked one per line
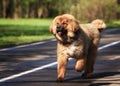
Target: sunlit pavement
<point>19,59</point>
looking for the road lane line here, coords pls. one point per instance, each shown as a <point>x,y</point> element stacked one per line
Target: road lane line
<point>27,72</point>
<point>26,45</point>
<point>108,45</point>
<point>116,57</point>
<point>48,65</point>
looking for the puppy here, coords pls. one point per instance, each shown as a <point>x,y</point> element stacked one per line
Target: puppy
<point>79,41</point>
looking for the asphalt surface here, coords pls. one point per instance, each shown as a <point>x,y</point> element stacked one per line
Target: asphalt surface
<point>20,60</point>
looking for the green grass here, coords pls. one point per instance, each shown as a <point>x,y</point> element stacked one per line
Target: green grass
<point>22,31</point>
<point>113,24</point>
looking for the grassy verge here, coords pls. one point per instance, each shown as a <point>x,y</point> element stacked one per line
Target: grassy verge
<point>113,24</point>
<point>22,31</point>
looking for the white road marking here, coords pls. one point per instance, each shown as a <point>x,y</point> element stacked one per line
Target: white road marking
<point>26,45</point>
<point>108,45</point>
<point>115,57</point>
<point>27,72</point>
<point>48,65</point>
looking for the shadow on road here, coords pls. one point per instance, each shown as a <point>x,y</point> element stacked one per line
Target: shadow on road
<point>94,77</point>
<point>74,80</point>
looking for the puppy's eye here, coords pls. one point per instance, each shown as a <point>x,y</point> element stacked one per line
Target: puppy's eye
<point>64,23</point>
<point>71,37</point>
<point>57,23</point>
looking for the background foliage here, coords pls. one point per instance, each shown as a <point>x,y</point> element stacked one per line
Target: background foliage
<point>84,10</point>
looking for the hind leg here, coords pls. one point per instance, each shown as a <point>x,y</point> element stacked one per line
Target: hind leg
<point>90,62</point>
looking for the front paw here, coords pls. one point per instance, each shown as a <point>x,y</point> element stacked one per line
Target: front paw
<point>87,75</point>
<point>60,80</point>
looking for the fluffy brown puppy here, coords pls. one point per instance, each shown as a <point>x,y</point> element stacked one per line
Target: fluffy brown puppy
<point>79,41</point>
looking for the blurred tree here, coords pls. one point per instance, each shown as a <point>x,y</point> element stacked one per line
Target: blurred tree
<point>92,9</point>
<point>4,7</point>
<point>118,11</point>
<point>17,9</point>
<point>8,8</point>
<point>1,8</point>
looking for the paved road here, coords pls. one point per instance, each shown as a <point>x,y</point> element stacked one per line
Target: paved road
<point>35,64</point>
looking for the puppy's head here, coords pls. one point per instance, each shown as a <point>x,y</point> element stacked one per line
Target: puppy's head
<point>65,28</point>
<point>100,25</point>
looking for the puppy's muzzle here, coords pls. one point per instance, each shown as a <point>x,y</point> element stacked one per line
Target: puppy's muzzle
<point>60,30</point>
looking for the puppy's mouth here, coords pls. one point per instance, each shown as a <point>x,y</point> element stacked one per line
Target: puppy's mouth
<point>61,31</point>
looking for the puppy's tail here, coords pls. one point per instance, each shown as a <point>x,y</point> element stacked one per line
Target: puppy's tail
<point>99,24</point>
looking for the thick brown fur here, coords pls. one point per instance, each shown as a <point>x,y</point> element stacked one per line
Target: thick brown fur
<point>79,41</point>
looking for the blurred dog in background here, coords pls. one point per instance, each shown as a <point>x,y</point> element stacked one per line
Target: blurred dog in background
<point>79,41</point>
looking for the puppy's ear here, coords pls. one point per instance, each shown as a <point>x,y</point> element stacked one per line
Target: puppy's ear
<point>75,26</point>
<point>100,25</point>
<point>51,28</point>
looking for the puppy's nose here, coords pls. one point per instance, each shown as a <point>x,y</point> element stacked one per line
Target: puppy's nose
<point>59,28</point>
